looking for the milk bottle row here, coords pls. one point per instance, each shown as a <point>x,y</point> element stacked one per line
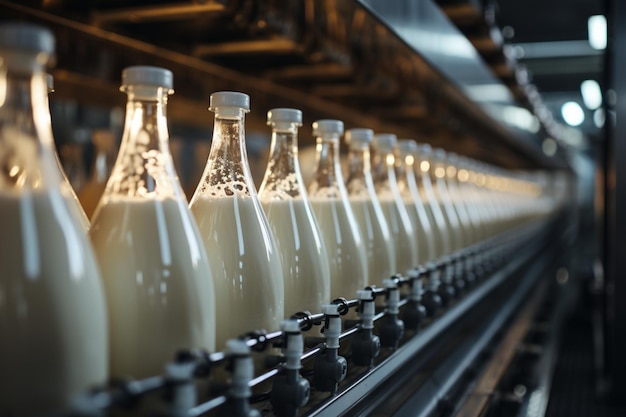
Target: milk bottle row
<point>84,301</point>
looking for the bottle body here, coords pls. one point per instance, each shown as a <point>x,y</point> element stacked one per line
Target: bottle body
<point>346,254</point>
<point>306,272</point>
<point>47,263</point>
<point>379,248</point>
<point>155,269</point>
<point>156,275</point>
<point>53,327</point>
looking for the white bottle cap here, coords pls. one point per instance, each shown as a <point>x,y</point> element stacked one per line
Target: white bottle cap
<point>359,136</point>
<point>439,154</point>
<point>327,126</point>
<point>424,149</point>
<point>145,75</point>
<point>407,146</point>
<point>229,99</point>
<point>284,115</point>
<point>50,83</point>
<point>26,37</point>
<point>385,141</point>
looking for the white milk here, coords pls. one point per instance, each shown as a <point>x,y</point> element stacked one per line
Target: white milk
<point>53,332</point>
<point>247,273</point>
<point>436,217</point>
<point>379,248</point>
<point>306,273</point>
<point>346,254</point>
<point>157,281</point>
<point>405,248</point>
<point>421,228</point>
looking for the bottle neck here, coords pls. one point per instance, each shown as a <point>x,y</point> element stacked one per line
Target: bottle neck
<point>451,177</point>
<point>328,180</point>
<point>145,126</point>
<point>282,176</point>
<point>227,172</point>
<point>384,165</point>
<point>144,166</point>
<point>26,141</point>
<point>360,182</point>
<point>438,173</point>
<point>405,173</point>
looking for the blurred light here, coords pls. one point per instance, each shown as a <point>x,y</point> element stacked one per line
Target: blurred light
<point>440,172</point>
<point>572,113</point>
<point>549,146</point>
<point>611,97</point>
<point>451,171</point>
<point>424,166</point>
<point>14,171</point>
<point>409,160</point>
<point>599,117</point>
<point>596,26</point>
<point>592,95</point>
<point>521,118</point>
<point>508,32</point>
<point>390,159</point>
<point>463,175</point>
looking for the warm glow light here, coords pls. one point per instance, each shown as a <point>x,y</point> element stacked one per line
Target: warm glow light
<point>390,159</point>
<point>596,26</point>
<point>481,180</point>
<point>14,171</point>
<point>409,160</point>
<point>424,166</point>
<point>440,172</point>
<point>572,113</point>
<point>463,175</point>
<point>451,171</point>
<point>592,94</point>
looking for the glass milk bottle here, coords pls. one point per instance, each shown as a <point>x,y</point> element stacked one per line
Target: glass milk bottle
<point>455,197</point>
<point>407,184</point>
<point>74,203</point>
<point>329,198</point>
<point>457,180</point>
<point>438,176</point>
<point>246,264</point>
<point>284,198</point>
<point>379,248</point>
<point>402,233</point>
<point>155,269</point>
<point>104,143</point>
<point>427,191</point>
<point>53,330</point>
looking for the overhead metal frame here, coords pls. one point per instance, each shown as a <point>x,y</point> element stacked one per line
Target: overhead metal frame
<point>216,45</point>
